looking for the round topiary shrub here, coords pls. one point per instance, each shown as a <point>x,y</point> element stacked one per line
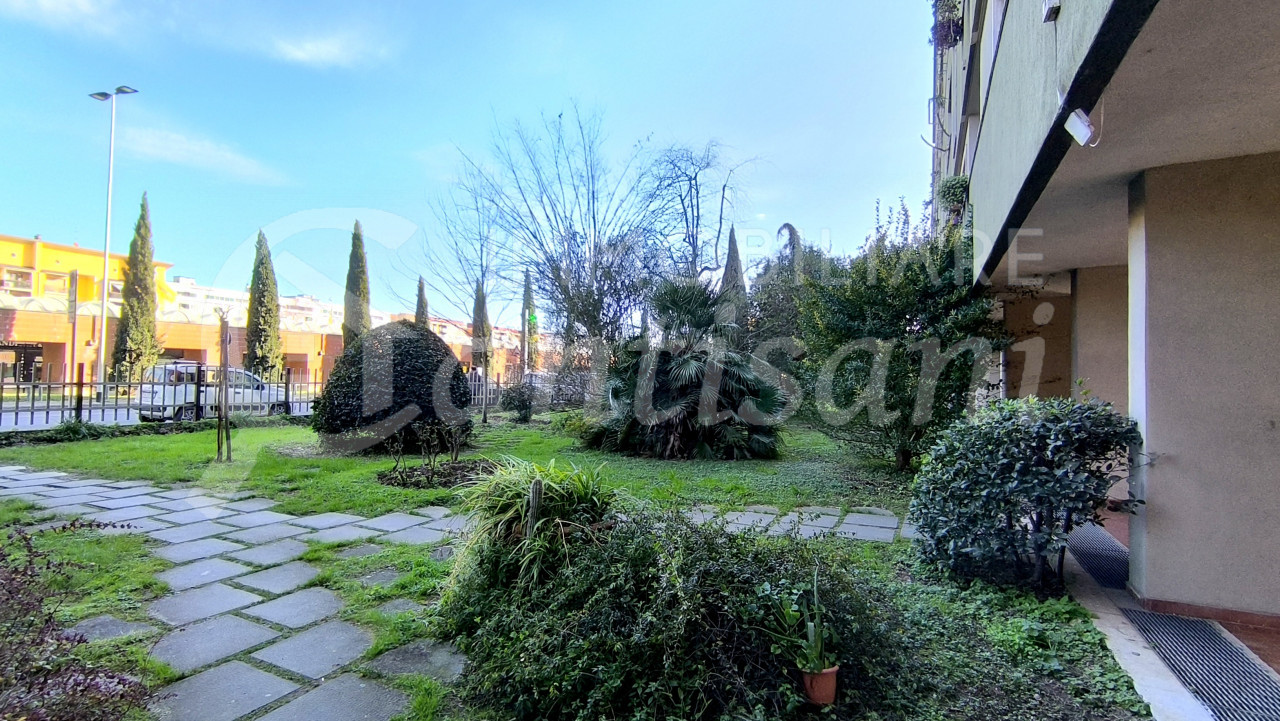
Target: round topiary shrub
<point>1001,490</point>
<point>389,378</point>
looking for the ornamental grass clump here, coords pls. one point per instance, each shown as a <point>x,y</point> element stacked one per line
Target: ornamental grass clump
<point>1001,491</point>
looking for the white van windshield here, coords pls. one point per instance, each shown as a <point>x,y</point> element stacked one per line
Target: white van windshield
<point>171,374</point>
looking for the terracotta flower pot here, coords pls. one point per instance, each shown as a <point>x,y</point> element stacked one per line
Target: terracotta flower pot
<point>821,687</point>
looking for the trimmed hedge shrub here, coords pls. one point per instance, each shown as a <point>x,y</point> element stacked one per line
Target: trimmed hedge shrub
<point>1000,491</point>
<point>387,379</point>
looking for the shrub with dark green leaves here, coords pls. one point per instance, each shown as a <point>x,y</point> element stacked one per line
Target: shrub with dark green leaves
<point>653,617</point>
<point>387,379</point>
<point>521,399</point>
<point>1000,491</point>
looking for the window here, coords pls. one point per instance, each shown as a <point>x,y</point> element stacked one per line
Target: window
<point>57,284</point>
<point>16,281</point>
<point>116,288</point>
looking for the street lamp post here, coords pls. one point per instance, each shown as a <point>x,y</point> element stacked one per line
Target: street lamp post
<point>101,375</point>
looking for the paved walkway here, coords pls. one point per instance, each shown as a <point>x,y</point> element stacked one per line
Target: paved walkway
<point>239,618</point>
<point>243,624</point>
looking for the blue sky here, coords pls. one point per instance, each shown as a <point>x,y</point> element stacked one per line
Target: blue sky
<point>265,114</point>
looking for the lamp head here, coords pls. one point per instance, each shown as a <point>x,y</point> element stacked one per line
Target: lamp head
<point>100,96</point>
<point>125,90</point>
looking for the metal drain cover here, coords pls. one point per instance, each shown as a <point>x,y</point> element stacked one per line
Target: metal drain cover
<point>1225,678</point>
<point>1105,558</point>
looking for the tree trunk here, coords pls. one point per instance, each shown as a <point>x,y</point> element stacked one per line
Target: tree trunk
<point>902,459</point>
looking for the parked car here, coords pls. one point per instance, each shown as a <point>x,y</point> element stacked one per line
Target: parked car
<point>170,391</point>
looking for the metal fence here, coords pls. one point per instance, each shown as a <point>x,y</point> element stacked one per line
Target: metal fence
<point>184,391</point>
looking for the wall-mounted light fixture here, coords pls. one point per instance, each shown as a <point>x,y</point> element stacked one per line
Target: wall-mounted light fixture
<point>1080,127</point>
<point>1051,10</point>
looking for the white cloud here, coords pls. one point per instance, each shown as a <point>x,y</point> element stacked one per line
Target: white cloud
<point>326,51</point>
<point>196,152</point>
<point>95,16</point>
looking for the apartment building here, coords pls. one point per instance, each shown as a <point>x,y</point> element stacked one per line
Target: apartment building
<point>1123,159</point>
<point>36,329</point>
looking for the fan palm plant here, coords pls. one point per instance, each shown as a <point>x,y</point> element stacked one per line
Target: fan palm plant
<point>688,394</point>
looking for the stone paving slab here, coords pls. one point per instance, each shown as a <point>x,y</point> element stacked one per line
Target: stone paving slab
<point>100,628</point>
<point>197,515</point>
<point>326,520</point>
<point>428,658</point>
<point>125,514</point>
<point>186,504</point>
<point>126,492</point>
<point>367,549</point>
<point>298,609</point>
<point>316,652</point>
<point>340,534</point>
<point>442,553</point>
<point>45,502</point>
<point>909,530</point>
<point>266,534</point>
<point>74,509</point>
<point>281,551</point>
<point>416,536</point>
<point>280,579</point>
<point>114,503</point>
<point>871,519</point>
<point>820,510</point>
<point>177,493</point>
<point>200,573</point>
<point>866,533</point>
<point>131,484</point>
<point>76,491</point>
<point>181,534</point>
<point>393,522</point>
<point>401,605</point>
<point>384,577</point>
<point>223,693</point>
<point>203,602</point>
<point>137,525</point>
<point>345,698</point>
<point>434,512</point>
<point>259,518</point>
<point>15,489</point>
<point>234,495</point>
<point>818,520</point>
<point>748,519</point>
<point>251,505</point>
<point>456,525</point>
<point>196,550</point>
<point>201,644</point>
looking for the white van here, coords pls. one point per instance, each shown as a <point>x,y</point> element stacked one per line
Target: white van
<point>169,392</point>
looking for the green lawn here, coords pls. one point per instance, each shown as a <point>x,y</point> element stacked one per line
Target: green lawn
<point>286,464</point>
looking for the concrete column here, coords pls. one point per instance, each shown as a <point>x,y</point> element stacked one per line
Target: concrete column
<point>1204,384</point>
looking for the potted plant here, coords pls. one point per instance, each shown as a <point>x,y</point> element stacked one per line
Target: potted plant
<point>799,628</point>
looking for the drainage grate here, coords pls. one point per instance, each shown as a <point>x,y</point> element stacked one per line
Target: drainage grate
<point>1226,679</point>
<point>1105,558</point>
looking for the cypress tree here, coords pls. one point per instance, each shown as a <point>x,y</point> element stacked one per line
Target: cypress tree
<point>528,329</point>
<point>136,347</point>
<point>422,314</point>
<point>355,317</point>
<point>480,331</point>
<point>265,354</point>
<point>733,290</point>
<point>480,351</point>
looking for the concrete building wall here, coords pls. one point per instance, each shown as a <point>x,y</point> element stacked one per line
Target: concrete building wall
<point>1039,361</point>
<point>1100,351</point>
<point>1034,62</point>
<point>1205,383</point>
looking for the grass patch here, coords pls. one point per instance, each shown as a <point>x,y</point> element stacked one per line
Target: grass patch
<point>287,465</point>
<point>420,581</point>
<point>103,575</point>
